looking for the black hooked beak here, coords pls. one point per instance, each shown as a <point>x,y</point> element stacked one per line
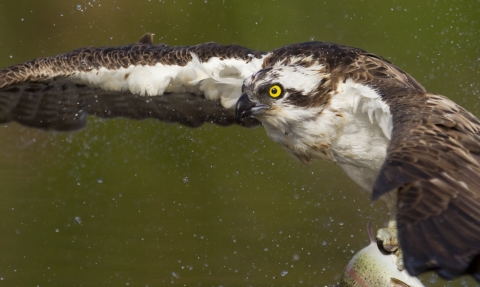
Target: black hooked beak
<point>244,106</point>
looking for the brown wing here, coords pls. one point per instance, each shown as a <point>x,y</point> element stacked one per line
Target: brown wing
<point>381,74</point>
<point>65,107</point>
<point>41,93</point>
<point>433,162</point>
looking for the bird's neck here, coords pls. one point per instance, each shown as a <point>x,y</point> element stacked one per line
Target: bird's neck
<point>352,130</point>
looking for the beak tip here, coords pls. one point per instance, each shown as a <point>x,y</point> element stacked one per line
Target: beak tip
<point>244,106</point>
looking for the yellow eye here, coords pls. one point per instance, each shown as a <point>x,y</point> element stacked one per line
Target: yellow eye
<point>275,91</point>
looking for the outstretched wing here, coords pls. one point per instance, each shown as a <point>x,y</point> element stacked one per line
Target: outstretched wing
<point>433,162</point>
<point>189,85</point>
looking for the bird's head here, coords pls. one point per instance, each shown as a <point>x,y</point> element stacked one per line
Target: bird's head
<point>289,99</point>
<point>285,91</point>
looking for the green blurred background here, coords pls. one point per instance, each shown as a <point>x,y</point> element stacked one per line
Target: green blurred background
<point>144,203</point>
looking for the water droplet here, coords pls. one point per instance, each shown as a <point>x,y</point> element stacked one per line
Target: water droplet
<point>284,272</point>
<point>57,230</point>
<point>79,7</point>
<point>100,180</point>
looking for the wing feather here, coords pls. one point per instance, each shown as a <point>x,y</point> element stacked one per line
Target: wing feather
<point>40,106</point>
<point>135,81</point>
<point>433,163</point>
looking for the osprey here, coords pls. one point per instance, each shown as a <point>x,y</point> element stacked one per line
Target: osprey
<point>418,152</point>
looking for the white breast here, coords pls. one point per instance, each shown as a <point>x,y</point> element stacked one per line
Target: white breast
<point>365,125</point>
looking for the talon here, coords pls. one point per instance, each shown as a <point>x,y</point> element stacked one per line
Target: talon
<point>399,262</point>
<point>382,249</point>
<point>388,238</point>
<point>387,241</point>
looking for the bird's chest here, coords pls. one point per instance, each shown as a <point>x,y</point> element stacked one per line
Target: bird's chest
<point>360,148</point>
<point>302,140</point>
<point>353,142</point>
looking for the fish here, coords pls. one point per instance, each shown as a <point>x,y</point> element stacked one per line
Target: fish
<point>373,267</point>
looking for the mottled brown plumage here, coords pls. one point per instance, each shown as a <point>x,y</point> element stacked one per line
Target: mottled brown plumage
<point>343,62</point>
<point>433,158</point>
<point>37,94</point>
<point>87,59</point>
<point>433,161</point>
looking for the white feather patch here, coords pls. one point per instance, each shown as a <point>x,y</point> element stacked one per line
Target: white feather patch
<point>217,79</point>
<point>369,102</point>
<point>363,130</point>
<point>298,77</point>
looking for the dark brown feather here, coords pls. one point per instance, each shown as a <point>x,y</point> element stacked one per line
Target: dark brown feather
<point>64,107</point>
<point>433,163</point>
<point>86,59</point>
<point>147,39</point>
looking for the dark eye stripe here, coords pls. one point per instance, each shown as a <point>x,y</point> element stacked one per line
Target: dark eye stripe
<point>263,90</point>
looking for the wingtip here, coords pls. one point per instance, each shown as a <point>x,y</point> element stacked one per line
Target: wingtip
<point>383,185</point>
<point>378,192</point>
<point>449,267</point>
<point>474,268</point>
